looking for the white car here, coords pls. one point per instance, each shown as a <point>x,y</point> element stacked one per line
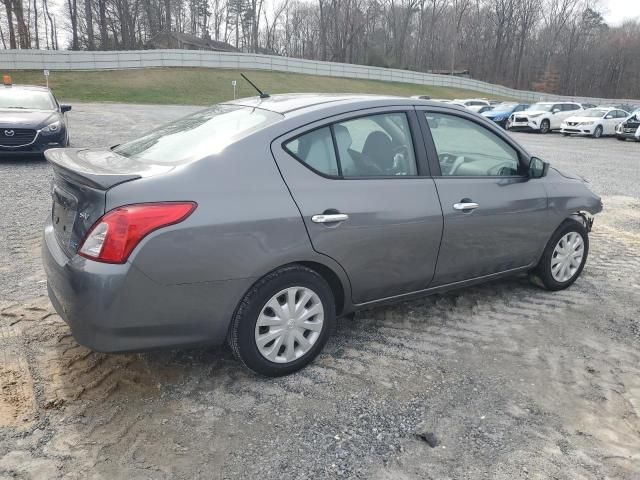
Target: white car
<point>594,122</point>
<point>473,104</point>
<point>543,117</point>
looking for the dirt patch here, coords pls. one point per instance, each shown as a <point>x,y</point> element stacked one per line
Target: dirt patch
<point>17,403</point>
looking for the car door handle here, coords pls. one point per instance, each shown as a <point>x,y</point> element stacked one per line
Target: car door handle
<point>465,206</point>
<point>330,218</point>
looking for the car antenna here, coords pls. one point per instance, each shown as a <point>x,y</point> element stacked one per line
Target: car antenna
<point>262,94</point>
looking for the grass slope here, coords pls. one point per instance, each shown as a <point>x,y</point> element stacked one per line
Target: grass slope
<point>205,86</point>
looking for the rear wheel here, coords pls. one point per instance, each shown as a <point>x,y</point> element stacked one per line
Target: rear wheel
<point>283,322</point>
<point>545,126</point>
<point>597,133</point>
<point>564,256</point>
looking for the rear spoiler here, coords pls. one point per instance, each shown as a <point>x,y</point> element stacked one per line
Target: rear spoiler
<point>101,169</point>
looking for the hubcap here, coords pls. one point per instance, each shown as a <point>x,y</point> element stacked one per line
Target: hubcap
<point>567,257</point>
<point>289,324</point>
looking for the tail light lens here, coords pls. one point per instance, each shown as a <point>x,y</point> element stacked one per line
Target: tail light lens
<point>114,236</point>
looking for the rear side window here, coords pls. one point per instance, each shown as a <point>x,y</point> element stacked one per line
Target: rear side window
<point>201,134</point>
<point>370,146</point>
<point>376,145</point>
<point>315,149</point>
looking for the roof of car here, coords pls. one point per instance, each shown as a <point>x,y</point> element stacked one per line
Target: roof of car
<point>286,103</point>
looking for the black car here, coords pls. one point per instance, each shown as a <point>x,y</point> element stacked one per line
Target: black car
<point>31,121</point>
<point>630,128</point>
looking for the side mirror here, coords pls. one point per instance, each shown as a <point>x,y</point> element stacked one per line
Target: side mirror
<point>555,110</point>
<point>537,168</point>
<point>65,108</point>
<point>608,117</point>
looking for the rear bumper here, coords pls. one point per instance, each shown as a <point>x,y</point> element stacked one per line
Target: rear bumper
<point>117,308</point>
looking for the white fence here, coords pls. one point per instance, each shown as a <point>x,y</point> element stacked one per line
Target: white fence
<point>115,60</point>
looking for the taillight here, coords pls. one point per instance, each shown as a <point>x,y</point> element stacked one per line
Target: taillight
<point>114,236</point>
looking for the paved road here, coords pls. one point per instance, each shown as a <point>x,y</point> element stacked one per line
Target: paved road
<point>507,380</point>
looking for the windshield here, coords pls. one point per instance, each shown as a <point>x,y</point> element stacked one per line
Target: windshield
<point>13,97</point>
<point>541,107</point>
<point>196,136</point>
<point>504,107</point>
<point>594,112</point>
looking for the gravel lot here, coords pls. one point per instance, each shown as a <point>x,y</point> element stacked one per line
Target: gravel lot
<point>501,381</point>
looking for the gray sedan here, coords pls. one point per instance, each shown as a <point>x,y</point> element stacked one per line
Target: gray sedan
<point>261,220</point>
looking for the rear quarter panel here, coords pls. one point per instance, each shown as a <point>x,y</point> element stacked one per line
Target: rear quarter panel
<point>246,223</point>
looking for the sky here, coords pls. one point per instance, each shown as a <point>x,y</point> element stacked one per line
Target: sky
<point>615,12</point>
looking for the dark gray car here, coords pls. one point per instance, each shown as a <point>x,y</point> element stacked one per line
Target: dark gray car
<point>259,221</point>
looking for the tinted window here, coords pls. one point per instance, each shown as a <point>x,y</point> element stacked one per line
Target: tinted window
<point>14,97</point>
<point>315,149</point>
<point>571,107</point>
<point>376,145</point>
<point>196,136</point>
<point>467,149</point>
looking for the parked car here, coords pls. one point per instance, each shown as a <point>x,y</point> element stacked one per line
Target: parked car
<point>594,122</point>
<point>473,104</point>
<point>543,117</point>
<point>500,113</point>
<point>260,220</point>
<point>421,97</point>
<point>587,106</point>
<point>31,120</point>
<point>629,129</point>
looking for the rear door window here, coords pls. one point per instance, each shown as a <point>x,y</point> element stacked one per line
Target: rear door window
<point>378,145</point>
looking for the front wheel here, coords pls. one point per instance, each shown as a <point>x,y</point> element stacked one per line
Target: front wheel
<point>545,126</point>
<point>283,322</point>
<point>564,256</point>
<point>597,133</point>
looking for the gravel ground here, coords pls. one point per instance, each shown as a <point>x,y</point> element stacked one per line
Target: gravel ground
<point>501,381</point>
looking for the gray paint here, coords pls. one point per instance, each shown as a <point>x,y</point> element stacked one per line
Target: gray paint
<point>182,284</point>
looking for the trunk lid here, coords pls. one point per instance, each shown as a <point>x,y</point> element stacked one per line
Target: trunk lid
<point>81,179</point>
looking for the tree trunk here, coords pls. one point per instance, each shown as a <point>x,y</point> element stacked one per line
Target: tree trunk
<point>35,21</point>
<point>88,12</point>
<point>8,5</point>
<point>73,15</point>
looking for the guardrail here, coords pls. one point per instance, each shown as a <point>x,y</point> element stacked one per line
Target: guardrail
<point>116,60</point>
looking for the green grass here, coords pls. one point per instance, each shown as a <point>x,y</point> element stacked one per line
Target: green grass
<point>205,86</point>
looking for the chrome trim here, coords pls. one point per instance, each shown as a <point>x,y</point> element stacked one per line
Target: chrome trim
<point>336,217</point>
<point>465,206</point>
<point>26,144</point>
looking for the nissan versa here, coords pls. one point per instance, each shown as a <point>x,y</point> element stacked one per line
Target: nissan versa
<point>260,220</point>
<point>31,121</point>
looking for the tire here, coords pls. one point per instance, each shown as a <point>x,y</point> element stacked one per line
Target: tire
<point>275,287</point>
<point>544,271</point>
<point>565,134</point>
<point>622,139</point>
<point>597,133</point>
<point>545,126</point>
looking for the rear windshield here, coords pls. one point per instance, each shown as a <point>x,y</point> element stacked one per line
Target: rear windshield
<point>198,135</point>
